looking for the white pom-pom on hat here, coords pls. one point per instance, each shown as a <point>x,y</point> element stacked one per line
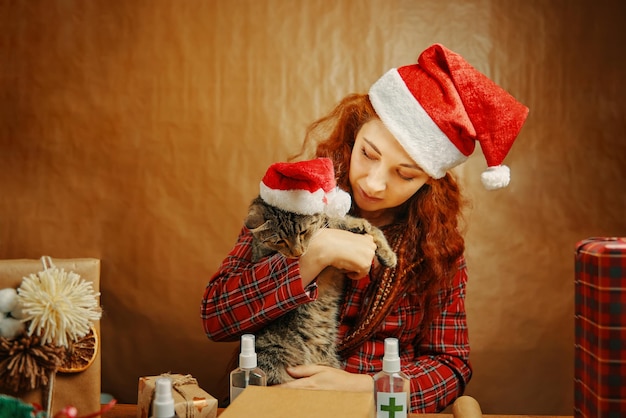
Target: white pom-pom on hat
<point>339,203</point>
<point>497,177</point>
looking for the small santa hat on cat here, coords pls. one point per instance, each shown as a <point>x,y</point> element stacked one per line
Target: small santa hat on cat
<point>305,187</point>
<point>440,107</point>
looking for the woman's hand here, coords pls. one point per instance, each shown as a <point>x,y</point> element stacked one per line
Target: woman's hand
<point>347,251</point>
<point>328,378</point>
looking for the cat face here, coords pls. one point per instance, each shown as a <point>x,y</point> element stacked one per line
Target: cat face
<point>277,230</point>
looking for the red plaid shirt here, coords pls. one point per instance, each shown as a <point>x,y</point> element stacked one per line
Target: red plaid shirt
<point>243,297</point>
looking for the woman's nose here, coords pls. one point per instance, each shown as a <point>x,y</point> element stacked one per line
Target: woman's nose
<point>376,180</point>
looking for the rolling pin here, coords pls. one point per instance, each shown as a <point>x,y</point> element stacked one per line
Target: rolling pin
<point>466,407</point>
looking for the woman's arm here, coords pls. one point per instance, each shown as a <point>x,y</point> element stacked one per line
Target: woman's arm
<point>438,374</point>
<point>442,370</point>
<point>242,296</point>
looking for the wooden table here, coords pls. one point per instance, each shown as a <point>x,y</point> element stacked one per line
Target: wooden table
<point>130,411</point>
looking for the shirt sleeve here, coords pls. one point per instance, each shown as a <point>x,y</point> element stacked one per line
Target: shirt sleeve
<point>243,296</point>
<point>442,370</point>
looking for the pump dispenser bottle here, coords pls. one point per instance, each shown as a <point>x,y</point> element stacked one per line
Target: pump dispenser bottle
<point>392,388</point>
<point>163,403</point>
<point>247,373</point>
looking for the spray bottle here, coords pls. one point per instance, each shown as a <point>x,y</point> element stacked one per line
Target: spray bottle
<point>163,403</point>
<point>391,387</point>
<point>247,373</point>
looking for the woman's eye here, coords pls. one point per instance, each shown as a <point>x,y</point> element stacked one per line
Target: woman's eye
<point>406,177</point>
<point>366,154</point>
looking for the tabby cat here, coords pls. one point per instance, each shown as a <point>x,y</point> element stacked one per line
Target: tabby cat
<point>307,334</point>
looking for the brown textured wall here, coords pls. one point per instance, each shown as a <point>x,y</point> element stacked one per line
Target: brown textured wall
<point>136,132</point>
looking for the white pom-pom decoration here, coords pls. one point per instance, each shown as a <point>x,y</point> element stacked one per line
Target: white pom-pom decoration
<point>8,299</point>
<point>496,177</point>
<point>60,305</point>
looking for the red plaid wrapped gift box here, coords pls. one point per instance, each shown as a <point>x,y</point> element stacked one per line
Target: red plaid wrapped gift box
<point>600,328</point>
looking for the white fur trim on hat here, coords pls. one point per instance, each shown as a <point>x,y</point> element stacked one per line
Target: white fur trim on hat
<point>296,200</point>
<point>407,120</point>
<point>335,203</point>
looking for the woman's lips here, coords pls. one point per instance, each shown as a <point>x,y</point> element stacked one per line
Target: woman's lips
<point>368,198</point>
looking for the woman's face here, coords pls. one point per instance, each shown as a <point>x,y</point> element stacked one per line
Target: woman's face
<point>382,174</point>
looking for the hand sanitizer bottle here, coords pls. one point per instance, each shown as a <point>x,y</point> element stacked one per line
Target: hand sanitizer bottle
<point>163,403</point>
<point>247,373</point>
<point>392,388</point>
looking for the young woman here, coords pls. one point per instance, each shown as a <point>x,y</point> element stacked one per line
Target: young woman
<point>392,151</point>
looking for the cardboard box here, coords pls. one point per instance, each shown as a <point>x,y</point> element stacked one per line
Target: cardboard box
<point>600,327</point>
<point>190,400</point>
<point>81,390</point>
<point>276,402</point>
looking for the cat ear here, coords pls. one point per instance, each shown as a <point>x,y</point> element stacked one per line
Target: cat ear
<point>255,217</point>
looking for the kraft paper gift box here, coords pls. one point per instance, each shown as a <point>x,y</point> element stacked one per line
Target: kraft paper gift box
<point>600,328</point>
<point>277,402</point>
<point>190,401</point>
<point>82,389</point>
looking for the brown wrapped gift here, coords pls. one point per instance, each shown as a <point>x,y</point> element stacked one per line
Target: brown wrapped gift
<point>190,400</point>
<point>81,390</point>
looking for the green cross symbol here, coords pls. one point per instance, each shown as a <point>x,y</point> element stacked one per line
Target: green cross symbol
<point>391,408</point>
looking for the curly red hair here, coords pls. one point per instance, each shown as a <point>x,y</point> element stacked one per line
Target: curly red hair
<point>431,241</point>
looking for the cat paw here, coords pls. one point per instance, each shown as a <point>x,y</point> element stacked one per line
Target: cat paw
<point>387,257</point>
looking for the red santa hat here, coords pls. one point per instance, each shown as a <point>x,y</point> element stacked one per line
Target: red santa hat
<point>438,109</point>
<point>305,187</point>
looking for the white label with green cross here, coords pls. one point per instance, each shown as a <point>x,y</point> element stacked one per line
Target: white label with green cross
<point>391,405</point>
